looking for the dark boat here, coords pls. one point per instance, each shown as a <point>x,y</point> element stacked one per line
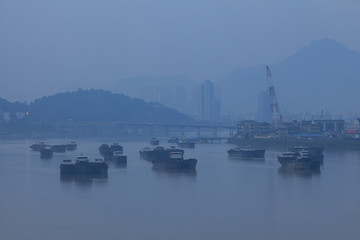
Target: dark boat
<point>46,152</point>
<point>186,144</point>
<point>83,166</point>
<point>108,151</point>
<point>299,160</point>
<point>71,146</point>
<point>247,153</point>
<point>174,161</point>
<point>154,141</point>
<point>157,153</point>
<point>119,158</point>
<point>151,154</point>
<point>116,147</point>
<point>61,148</point>
<point>313,152</point>
<point>37,146</point>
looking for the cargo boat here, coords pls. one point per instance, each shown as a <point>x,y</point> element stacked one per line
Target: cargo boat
<point>157,153</point>
<point>46,152</point>
<point>83,166</point>
<point>174,161</point>
<point>313,152</point>
<point>71,146</point>
<point>119,158</point>
<point>61,148</point>
<point>108,151</point>
<point>300,160</point>
<point>247,153</point>
<point>37,146</point>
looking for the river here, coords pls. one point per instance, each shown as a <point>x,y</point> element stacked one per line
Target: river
<point>224,199</point>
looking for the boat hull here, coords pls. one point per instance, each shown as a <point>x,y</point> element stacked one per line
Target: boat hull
<point>247,154</point>
<point>184,164</point>
<point>313,163</point>
<point>86,168</point>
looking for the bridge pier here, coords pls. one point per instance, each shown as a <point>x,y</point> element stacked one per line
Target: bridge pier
<point>215,131</point>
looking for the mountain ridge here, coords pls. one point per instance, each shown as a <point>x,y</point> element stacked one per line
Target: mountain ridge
<point>322,75</point>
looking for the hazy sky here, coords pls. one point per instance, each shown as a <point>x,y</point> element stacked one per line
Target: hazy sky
<point>50,46</point>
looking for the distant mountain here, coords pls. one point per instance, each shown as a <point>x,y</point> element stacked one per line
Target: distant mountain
<point>134,86</point>
<point>100,106</point>
<point>321,76</point>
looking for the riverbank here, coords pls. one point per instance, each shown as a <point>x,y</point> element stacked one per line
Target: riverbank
<point>277,143</point>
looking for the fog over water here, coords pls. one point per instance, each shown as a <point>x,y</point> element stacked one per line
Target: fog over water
<point>136,68</point>
<point>224,199</point>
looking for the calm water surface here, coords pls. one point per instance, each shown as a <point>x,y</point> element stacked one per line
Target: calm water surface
<point>224,199</point>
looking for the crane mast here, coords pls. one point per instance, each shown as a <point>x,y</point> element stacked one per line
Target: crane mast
<point>275,115</point>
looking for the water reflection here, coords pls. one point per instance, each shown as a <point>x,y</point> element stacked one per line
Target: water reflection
<point>303,173</point>
<point>250,160</point>
<point>117,164</point>
<point>175,173</point>
<point>83,180</point>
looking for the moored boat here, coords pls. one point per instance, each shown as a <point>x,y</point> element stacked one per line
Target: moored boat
<point>108,151</point>
<point>37,146</point>
<point>247,153</point>
<point>313,151</point>
<point>46,152</point>
<point>83,166</point>
<point>175,161</point>
<point>150,154</point>
<point>60,148</point>
<point>158,152</point>
<point>299,160</point>
<point>119,158</point>
<point>71,146</point>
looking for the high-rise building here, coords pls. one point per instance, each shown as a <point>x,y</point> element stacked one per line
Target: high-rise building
<point>209,103</point>
<point>263,107</point>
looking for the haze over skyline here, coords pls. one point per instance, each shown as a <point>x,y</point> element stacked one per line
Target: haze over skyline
<point>49,47</point>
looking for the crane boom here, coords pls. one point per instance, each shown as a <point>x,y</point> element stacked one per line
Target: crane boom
<point>276,116</point>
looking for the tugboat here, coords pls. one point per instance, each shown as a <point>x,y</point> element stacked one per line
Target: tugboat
<point>299,160</point>
<point>186,144</point>
<point>154,142</point>
<point>37,146</point>
<point>174,161</point>
<point>71,146</point>
<point>46,152</point>
<point>119,158</point>
<point>247,153</point>
<point>83,166</point>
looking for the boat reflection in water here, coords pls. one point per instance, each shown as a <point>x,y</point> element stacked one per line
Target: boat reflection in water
<point>175,173</point>
<point>83,180</point>
<point>302,173</point>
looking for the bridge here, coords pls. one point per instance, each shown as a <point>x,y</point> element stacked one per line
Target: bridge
<point>211,131</point>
